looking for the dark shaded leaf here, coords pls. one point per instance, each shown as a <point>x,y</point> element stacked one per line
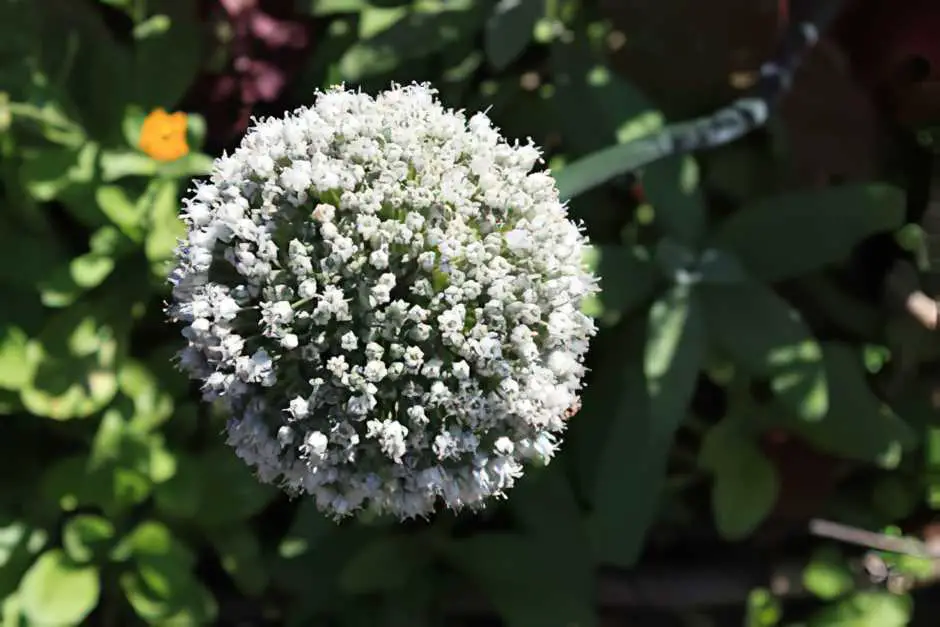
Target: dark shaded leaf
<point>509,30</point>
<point>768,339</point>
<point>745,483</point>
<point>792,234</point>
<point>858,424</point>
<point>627,280</point>
<point>525,580</point>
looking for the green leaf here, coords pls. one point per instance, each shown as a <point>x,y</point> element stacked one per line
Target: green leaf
<point>19,544</point>
<point>828,575</point>
<point>675,351</point>
<point>745,483</point>
<point>603,165</point>
<point>792,234</point>
<point>85,272</point>
<point>627,280</point>
<point>220,487</point>
<point>118,164</point>
<point>858,424</point>
<point>152,404</point>
<point>167,60</point>
<point>768,339</point>
<point>97,68</point>
<point>68,484</point>
<point>525,582</point>
<point>545,505</point>
<point>193,164</point>
<point>672,186</point>
<point>13,345</point>
<point>718,266</point>
<point>160,203</point>
<point>121,210</point>
<point>72,365</point>
<point>509,30</point>
<point>48,173</point>
<point>597,108</point>
<point>162,587</point>
<point>385,564</point>
<point>152,540</point>
<point>390,37</point>
<point>623,450</point>
<point>86,537</point>
<point>866,609</point>
<point>56,592</point>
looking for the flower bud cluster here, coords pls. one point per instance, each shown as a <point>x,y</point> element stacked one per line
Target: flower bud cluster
<point>387,299</point>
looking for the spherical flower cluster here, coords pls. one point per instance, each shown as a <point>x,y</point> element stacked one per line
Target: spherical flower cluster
<point>387,300</point>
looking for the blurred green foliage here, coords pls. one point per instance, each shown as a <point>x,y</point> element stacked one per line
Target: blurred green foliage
<point>727,324</point>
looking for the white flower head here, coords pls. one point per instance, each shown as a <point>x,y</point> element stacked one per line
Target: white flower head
<point>388,301</point>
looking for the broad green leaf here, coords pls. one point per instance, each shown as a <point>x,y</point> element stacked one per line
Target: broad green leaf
<point>672,187</point>
<point>509,30</point>
<point>596,108</point>
<point>828,575</point>
<point>220,487</point>
<point>153,540</point>
<point>67,484</point>
<point>84,272</point>
<point>622,451</point>
<point>180,497</point>
<point>397,35</point>
<point>193,164</point>
<point>160,203</point>
<point>718,266</point>
<point>768,339</point>
<point>72,365</point>
<point>605,164</point>
<point>627,280</point>
<point>858,424</point>
<point>152,404</point>
<point>56,592</point>
<point>121,210</point>
<point>13,344</point>
<point>524,580</point>
<point>792,234</point>
<point>118,164</point>
<point>19,544</point>
<point>99,70</point>
<point>544,503</point>
<point>166,61</point>
<point>745,483</point>
<point>675,351</point>
<point>47,173</point>
<point>161,586</point>
<point>310,559</point>
<point>86,537</point>
<point>866,609</point>
<point>385,564</point>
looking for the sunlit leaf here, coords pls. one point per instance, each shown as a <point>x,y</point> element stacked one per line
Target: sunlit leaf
<point>56,592</point>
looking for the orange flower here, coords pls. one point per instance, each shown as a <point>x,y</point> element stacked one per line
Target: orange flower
<point>163,135</point>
